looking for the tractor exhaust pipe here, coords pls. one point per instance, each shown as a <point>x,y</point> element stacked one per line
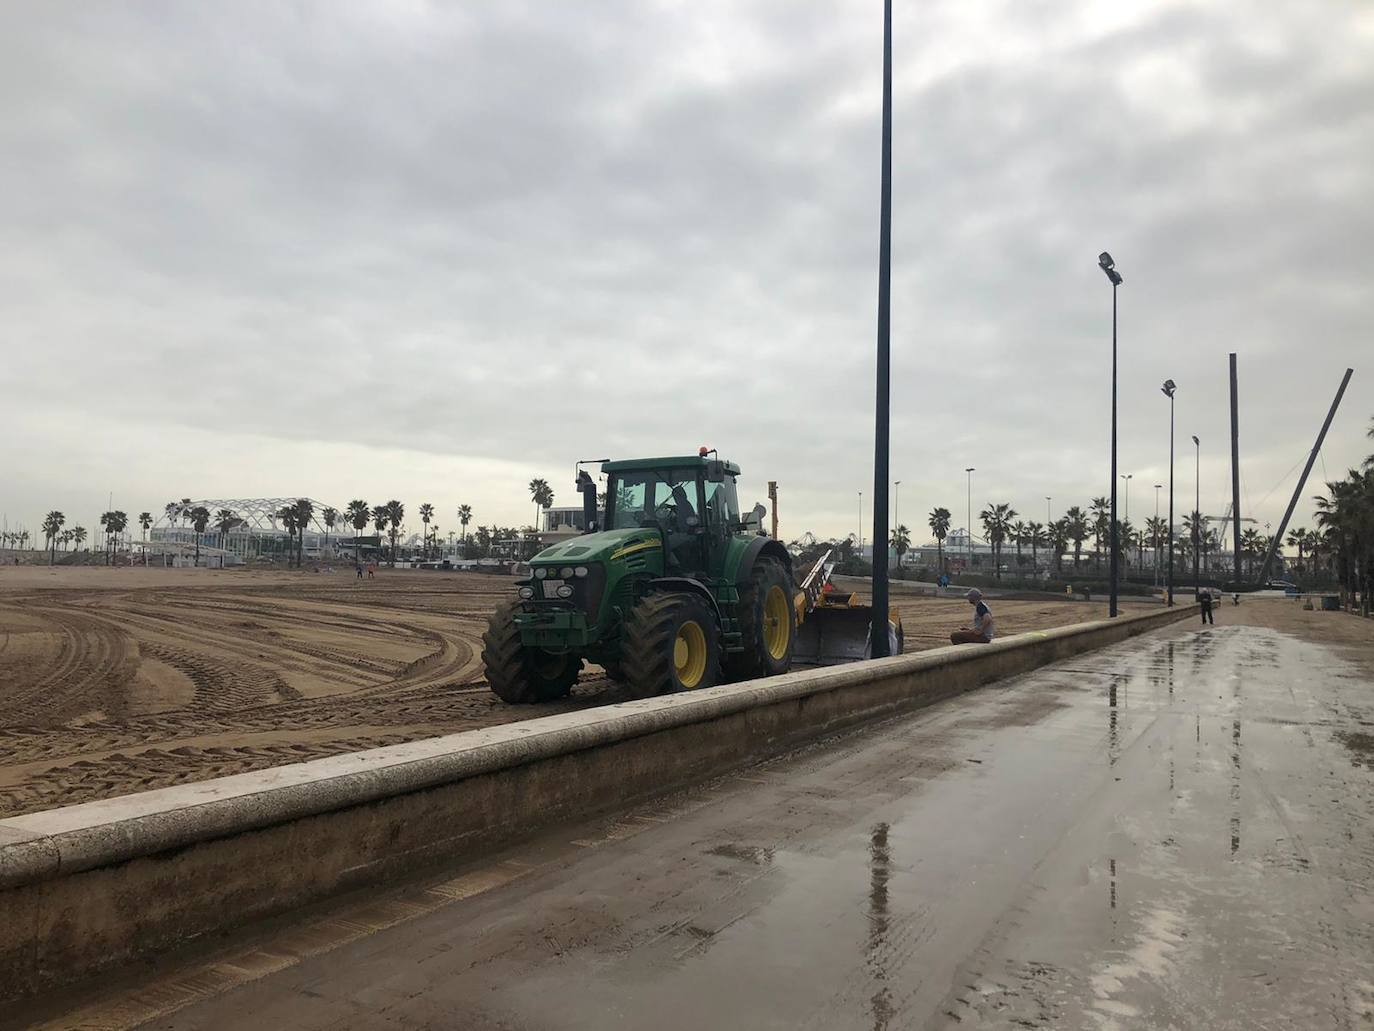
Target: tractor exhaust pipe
<point>587,486</point>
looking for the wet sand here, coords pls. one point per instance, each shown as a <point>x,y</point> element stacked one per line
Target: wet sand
<point>1176,832</point>
<point>121,680</point>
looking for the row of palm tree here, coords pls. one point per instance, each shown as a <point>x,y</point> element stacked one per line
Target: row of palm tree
<point>1077,526</point>
<point>1346,540</point>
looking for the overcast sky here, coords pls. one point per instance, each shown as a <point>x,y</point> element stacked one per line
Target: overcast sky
<point>430,251</point>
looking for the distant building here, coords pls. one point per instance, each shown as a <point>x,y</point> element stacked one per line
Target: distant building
<point>258,534</point>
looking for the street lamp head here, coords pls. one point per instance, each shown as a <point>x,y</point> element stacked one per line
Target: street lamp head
<point>970,469</point>
<point>1108,266</point>
<point>1196,441</point>
<point>1168,388</point>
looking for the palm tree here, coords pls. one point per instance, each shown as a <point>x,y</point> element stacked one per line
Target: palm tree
<point>426,514</point>
<point>379,522</point>
<point>1347,517</point>
<point>330,517</point>
<point>1100,527</point>
<point>1035,536</point>
<point>1076,528</point>
<point>395,512</point>
<point>357,514</point>
<point>225,520</point>
<point>305,509</point>
<point>1249,546</point>
<point>1197,528</point>
<point>1058,534</point>
<point>145,520</point>
<point>542,496</point>
<point>114,524</point>
<point>52,526</point>
<point>1157,529</point>
<point>1018,537</point>
<point>106,522</point>
<point>939,525</point>
<point>996,520</point>
<point>171,510</point>
<point>78,535</point>
<point>1297,538</point>
<point>289,520</point>
<point>901,542</point>
<point>200,520</point>
<point>464,517</point>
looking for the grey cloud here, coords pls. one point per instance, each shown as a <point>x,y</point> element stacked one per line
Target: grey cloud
<point>540,231</point>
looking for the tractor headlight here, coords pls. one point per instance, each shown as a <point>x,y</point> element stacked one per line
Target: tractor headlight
<point>564,592</point>
<point>526,593</point>
<point>541,572</point>
<point>580,571</point>
<point>565,573</point>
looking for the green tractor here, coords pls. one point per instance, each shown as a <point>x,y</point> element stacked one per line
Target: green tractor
<point>671,589</point>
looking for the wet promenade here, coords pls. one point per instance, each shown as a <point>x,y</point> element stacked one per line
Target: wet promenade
<point>1175,832</point>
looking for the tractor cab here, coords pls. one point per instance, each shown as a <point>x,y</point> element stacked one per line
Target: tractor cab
<point>692,501</point>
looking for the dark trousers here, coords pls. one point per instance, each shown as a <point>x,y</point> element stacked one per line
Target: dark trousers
<point>1207,614</point>
<point>967,637</point>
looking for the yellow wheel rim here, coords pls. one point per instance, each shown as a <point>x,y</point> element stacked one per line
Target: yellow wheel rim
<point>777,623</point>
<point>689,654</point>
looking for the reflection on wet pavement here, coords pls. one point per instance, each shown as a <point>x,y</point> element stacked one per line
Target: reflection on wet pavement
<point>877,924</point>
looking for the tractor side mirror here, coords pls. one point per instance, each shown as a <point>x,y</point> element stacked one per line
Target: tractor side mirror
<point>715,472</point>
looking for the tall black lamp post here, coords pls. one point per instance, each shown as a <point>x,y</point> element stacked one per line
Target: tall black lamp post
<point>1197,509</point>
<point>1105,262</point>
<point>1168,391</point>
<point>878,640</point>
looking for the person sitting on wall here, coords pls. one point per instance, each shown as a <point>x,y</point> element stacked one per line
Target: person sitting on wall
<point>982,630</point>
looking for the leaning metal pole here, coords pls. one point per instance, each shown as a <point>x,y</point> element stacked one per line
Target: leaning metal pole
<point>1235,476</point>
<point>878,631</point>
<point>1302,480</point>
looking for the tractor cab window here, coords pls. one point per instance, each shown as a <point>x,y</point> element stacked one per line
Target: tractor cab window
<point>664,498</point>
<point>625,499</point>
<point>722,505</point>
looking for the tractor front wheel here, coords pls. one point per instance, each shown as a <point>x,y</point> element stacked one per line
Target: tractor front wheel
<point>767,622</point>
<point>670,643</point>
<point>520,675</point>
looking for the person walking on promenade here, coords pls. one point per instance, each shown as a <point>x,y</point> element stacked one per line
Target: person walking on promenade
<point>982,630</point>
<point>1204,598</point>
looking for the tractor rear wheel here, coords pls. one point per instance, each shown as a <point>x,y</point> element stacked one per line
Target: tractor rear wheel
<point>520,675</point>
<point>767,622</point>
<point>670,643</point>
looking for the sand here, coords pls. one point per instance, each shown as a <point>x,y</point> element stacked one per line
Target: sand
<point>121,680</point>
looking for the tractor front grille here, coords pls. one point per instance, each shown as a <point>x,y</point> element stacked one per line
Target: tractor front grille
<point>587,591</point>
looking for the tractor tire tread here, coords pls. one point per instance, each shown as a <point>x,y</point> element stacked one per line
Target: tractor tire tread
<point>648,640</point>
<point>507,664</point>
<point>754,661</point>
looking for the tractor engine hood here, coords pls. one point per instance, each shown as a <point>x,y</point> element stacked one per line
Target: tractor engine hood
<point>606,546</point>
